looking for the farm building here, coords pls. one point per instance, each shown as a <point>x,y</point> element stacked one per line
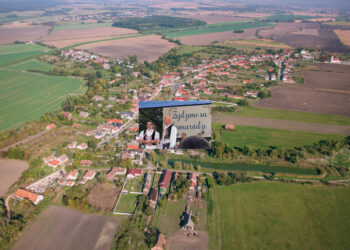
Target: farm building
<point>114,172</point>
<point>133,172</point>
<point>164,182</point>
<point>24,194</point>
<point>153,198</point>
<point>72,175</point>
<point>89,175</point>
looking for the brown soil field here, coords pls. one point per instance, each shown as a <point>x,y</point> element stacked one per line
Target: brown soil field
<point>293,35</point>
<point>23,34</point>
<point>206,39</point>
<point>15,25</point>
<point>180,241</point>
<point>62,38</point>
<point>65,228</point>
<point>10,171</point>
<point>282,124</point>
<point>326,91</point>
<point>104,196</point>
<point>344,36</point>
<point>147,48</point>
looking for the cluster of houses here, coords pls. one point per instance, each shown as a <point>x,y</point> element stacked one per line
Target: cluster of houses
<point>54,162</point>
<point>84,56</point>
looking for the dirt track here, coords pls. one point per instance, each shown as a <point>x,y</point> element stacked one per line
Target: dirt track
<point>282,124</point>
<point>65,228</point>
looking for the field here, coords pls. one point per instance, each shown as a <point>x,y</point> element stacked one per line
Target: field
<point>146,48</point>
<point>344,36</point>
<point>10,171</point>
<point>65,228</point>
<point>213,18</point>
<point>206,39</point>
<point>215,28</point>
<point>180,241</point>
<point>289,115</point>
<point>23,34</point>
<point>257,137</point>
<point>279,216</point>
<point>126,203</point>
<point>10,54</point>
<point>325,91</point>
<point>169,222</point>
<point>76,34</point>
<point>305,35</point>
<point>258,43</point>
<point>81,26</point>
<point>104,196</point>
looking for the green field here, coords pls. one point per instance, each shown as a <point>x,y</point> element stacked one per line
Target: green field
<point>257,137</point>
<point>293,116</point>
<point>185,49</point>
<point>242,166</point>
<point>214,28</point>
<point>255,43</point>
<point>169,222</point>
<point>31,65</point>
<point>338,23</point>
<point>10,54</point>
<point>279,216</point>
<point>81,26</point>
<point>126,203</point>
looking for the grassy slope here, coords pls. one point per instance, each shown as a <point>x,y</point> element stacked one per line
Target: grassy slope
<point>279,216</point>
<point>14,53</point>
<point>258,137</point>
<point>82,26</point>
<point>293,116</point>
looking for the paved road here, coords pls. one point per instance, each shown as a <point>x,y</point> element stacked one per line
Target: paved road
<point>283,124</point>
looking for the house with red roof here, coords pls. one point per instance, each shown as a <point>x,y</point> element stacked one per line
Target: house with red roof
<point>134,172</point>
<point>25,194</point>
<point>54,163</point>
<point>89,175</point>
<point>164,181</point>
<point>115,172</point>
<point>72,175</point>
<point>50,126</point>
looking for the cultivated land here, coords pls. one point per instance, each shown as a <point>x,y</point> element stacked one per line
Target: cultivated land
<point>326,91</point>
<point>146,48</point>
<point>104,196</point>
<point>10,171</point>
<point>344,36</point>
<point>283,124</point>
<point>23,34</point>
<point>258,43</point>
<point>65,228</point>
<point>279,216</point>
<point>264,137</point>
<point>180,241</point>
<point>305,35</point>
<point>65,37</point>
<point>206,39</point>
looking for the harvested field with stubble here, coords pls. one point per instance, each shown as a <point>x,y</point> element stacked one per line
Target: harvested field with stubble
<point>104,196</point>
<point>180,241</point>
<point>344,36</point>
<point>65,228</point>
<point>21,33</point>
<point>207,39</point>
<point>10,171</point>
<point>326,91</point>
<point>67,37</point>
<point>146,48</point>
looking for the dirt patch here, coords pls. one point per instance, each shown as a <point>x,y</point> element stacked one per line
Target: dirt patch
<point>23,34</point>
<point>326,91</point>
<point>206,39</point>
<point>180,241</point>
<point>10,171</point>
<point>282,124</point>
<point>147,48</point>
<point>344,36</point>
<point>104,196</point>
<point>65,228</point>
<point>62,38</point>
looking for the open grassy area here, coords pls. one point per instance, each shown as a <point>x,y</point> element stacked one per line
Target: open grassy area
<point>169,222</point>
<point>293,116</point>
<point>214,28</point>
<point>14,53</point>
<point>257,43</point>
<point>126,203</point>
<point>82,26</point>
<point>257,137</point>
<point>186,49</point>
<point>32,65</point>
<point>26,96</point>
<point>338,23</point>
<point>279,216</point>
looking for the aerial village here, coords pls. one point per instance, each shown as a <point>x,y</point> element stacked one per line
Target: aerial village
<point>77,163</point>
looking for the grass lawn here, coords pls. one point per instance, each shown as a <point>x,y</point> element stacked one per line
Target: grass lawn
<point>279,216</point>
<point>257,137</point>
<point>126,203</point>
<point>32,65</point>
<point>292,116</point>
<point>188,49</point>
<point>134,185</point>
<point>14,53</point>
<point>169,222</point>
<point>26,96</point>
<point>82,26</point>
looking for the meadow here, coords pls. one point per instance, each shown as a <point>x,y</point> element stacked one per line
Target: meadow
<point>81,26</point>
<point>258,137</point>
<point>214,28</point>
<point>279,216</point>
<point>126,203</point>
